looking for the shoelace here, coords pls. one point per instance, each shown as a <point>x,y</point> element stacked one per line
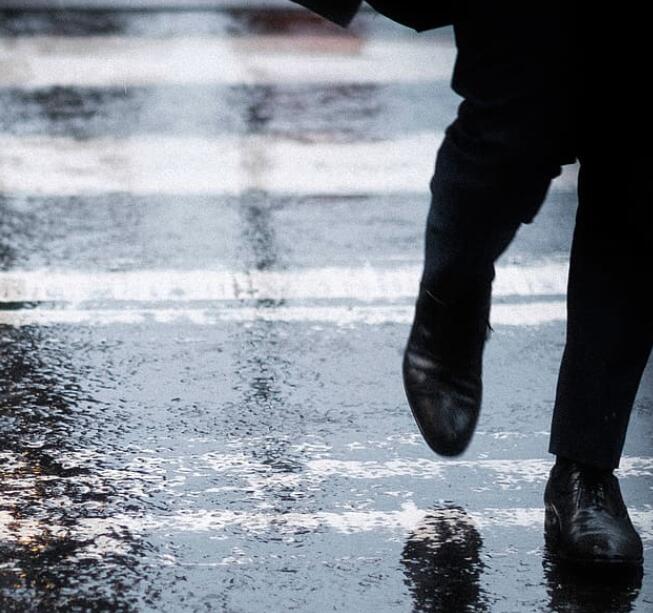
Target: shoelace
<point>596,490</point>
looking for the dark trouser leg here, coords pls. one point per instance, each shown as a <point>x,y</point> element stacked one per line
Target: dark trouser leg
<point>492,174</point>
<point>475,212</point>
<point>610,312</point>
<point>512,133</point>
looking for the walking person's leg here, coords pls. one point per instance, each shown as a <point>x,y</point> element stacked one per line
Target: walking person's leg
<point>493,170</point>
<point>610,312</point>
<point>610,305</point>
<point>609,340</point>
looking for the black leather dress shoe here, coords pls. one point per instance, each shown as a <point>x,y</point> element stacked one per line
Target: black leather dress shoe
<point>586,520</point>
<point>442,369</point>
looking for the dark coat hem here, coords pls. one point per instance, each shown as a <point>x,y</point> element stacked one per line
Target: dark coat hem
<point>413,15</point>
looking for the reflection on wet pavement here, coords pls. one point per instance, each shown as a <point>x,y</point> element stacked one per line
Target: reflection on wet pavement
<point>574,590</point>
<point>57,487</point>
<point>207,269</point>
<point>443,563</point>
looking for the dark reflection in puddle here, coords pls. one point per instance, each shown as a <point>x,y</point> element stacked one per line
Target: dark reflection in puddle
<point>263,378</point>
<point>259,232</point>
<point>60,573</point>
<point>61,22</point>
<point>260,103</point>
<point>263,365</point>
<point>19,306</point>
<point>259,239</point>
<point>6,254</point>
<point>583,590</point>
<point>76,112</point>
<point>319,113</point>
<point>258,20</point>
<point>326,113</point>
<point>442,563</point>
<point>61,548</point>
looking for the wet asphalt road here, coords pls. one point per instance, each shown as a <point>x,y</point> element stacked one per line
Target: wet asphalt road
<point>210,239</point>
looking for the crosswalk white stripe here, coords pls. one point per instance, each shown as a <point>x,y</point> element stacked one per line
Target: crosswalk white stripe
<point>148,469</point>
<point>532,314</point>
<point>59,166</point>
<point>504,473</point>
<point>365,284</point>
<point>230,165</point>
<point>105,61</point>
<point>409,517</point>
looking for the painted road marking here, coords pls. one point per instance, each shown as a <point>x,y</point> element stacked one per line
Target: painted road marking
<point>244,472</point>
<point>505,473</point>
<point>42,61</point>
<point>60,166</point>
<point>409,517</point>
<point>363,284</point>
<point>148,470</point>
<point>532,314</point>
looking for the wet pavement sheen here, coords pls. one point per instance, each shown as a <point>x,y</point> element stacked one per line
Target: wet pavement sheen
<point>248,447</point>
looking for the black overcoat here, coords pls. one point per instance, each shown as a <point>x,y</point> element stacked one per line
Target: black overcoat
<point>412,13</point>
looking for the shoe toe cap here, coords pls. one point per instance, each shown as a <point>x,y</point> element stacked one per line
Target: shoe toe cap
<point>615,546</point>
<point>446,421</point>
<point>607,539</point>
